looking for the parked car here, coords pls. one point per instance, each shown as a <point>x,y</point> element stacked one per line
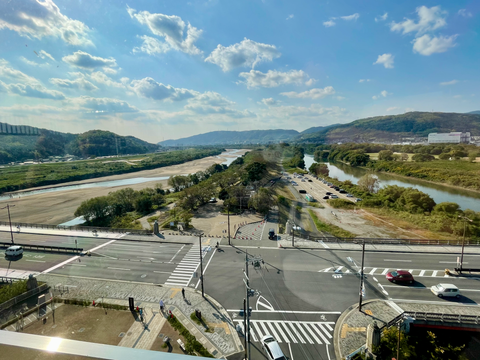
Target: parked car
<point>445,290</point>
<point>342,191</point>
<point>271,234</point>
<point>213,200</point>
<point>303,180</point>
<point>336,188</point>
<point>271,348</point>
<point>358,199</point>
<point>349,195</point>
<point>328,193</point>
<point>326,197</point>
<point>14,250</point>
<point>334,196</point>
<point>301,191</point>
<point>310,180</point>
<point>400,276</point>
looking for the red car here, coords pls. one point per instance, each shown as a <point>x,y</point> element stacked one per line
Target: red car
<point>400,276</point>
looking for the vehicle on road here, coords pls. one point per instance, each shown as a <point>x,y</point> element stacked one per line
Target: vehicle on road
<point>328,193</point>
<point>310,180</point>
<point>400,276</point>
<point>272,349</point>
<point>271,234</point>
<point>213,200</point>
<point>358,199</point>
<point>14,250</point>
<point>303,180</point>
<point>349,195</point>
<point>445,290</point>
<point>334,196</point>
<point>336,188</point>
<point>342,191</point>
<point>301,191</point>
<point>326,197</point>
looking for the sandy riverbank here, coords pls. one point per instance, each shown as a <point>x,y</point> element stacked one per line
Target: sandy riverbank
<point>58,207</point>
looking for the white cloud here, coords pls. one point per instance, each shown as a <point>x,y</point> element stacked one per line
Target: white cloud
<point>213,103</point>
<point>80,83</point>
<point>457,97</point>
<point>452,82</point>
<point>34,90</point>
<point>392,108</point>
<point>291,16</point>
<point>103,105</point>
<point>465,13</point>
<point>382,17</point>
<point>383,93</point>
<point>310,82</point>
<point>273,78</point>
<point>151,89</point>
<point>350,17</point>
<point>329,23</point>
<point>427,45</point>
<point>6,71</point>
<point>151,46</point>
<point>247,53</point>
<point>385,60</point>
<point>86,61</point>
<point>171,28</point>
<point>340,97</point>
<point>109,71</point>
<point>43,54</point>
<point>283,116</point>
<point>408,109</point>
<point>269,102</point>
<point>33,63</point>
<point>36,19</point>
<point>364,80</point>
<point>429,19</point>
<point>311,94</point>
<point>101,78</point>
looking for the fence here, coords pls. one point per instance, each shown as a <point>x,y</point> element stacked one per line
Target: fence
<point>21,297</point>
<point>437,317</point>
<point>389,241</point>
<point>51,248</point>
<point>77,228</point>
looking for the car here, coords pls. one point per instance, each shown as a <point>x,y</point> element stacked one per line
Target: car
<point>358,199</point>
<point>349,195</point>
<point>400,276</point>
<point>14,250</point>
<point>271,234</point>
<point>331,186</point>
<point>328,193</point>
<point>213,200</point>
<point>334,197</point>
<point>301,191</point>
<point>326,197</point>
<point>310,180</point>
<point>342,191</point>
<point>303,180</point>
<point>445,290</point>
<point>271,348</point>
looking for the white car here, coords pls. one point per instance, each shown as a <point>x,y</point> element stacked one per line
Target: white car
<point>14,250</point>
<point>272,349</point>
<point>445,290</point>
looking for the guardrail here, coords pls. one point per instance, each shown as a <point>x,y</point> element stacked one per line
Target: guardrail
<point>9,303</point>
<point>394,241</point>
<point>43,247</point>
<point>439,317</point>
<point>16,226</point>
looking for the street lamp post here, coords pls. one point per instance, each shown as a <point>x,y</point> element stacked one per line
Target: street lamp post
<point>293,234</point>
<point>201,263</point>
<point>9,219</point>
<point>362,284</point>
<point>463,241</point>
<point>228,219</point>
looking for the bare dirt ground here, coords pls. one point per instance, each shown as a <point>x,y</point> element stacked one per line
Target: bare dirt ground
<point>210,221</point>
<point>168,330</point>
<point>58,207</point>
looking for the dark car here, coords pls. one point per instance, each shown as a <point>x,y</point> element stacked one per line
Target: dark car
<point>310,180</point>
<point>337,188</point>
<point>301,191</point>
<point>342,191</point>
<point>328,193</point>
<point>271,234</point>
<point>400,276</point>
<point>326,197</point>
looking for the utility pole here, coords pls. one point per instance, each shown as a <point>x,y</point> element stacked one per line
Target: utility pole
<point>463,241</point>
<point>228,219</point>
<point>398,342</point>
<point>245,326</point>
<point>361,278</point>
<point>293,234</point>
<point>201,263</point>
<point>9,220</point>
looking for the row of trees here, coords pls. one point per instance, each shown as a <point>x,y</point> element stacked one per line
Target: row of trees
<point>294,157</point>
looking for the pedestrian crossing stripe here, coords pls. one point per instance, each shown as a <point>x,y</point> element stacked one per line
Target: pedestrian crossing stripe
<point>304,332</point>
<point>384,271</point>
<point>184,271</point>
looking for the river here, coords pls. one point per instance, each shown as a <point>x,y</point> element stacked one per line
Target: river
<point>440,193</point>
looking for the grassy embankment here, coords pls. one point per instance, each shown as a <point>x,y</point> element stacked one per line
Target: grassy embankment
<point>330,228</point>
<point>28,176</point>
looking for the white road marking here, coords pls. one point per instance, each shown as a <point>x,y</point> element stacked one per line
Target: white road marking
<point>397,260</point>
<point>290,311</point>
<point>279,328</point>
<point>422,273</point>
<point>290,348</point>
<point>450,262</point>
<point>40,261</point>
<point>115,268</point>
<point>76,265</point>
<point>328,353</point>
<point>174,256</point>
<point>324,245</point>
<point>161,272</point>
<point>373,271</point>
<point>273,332</point>
<point>253,324</point>
<point>320,333</point>
<point>267,305</point>
<point>208,263</point>
<point>296,332</point>
<point>311,332</point>
<point>434,273</point>
<point>265,330</point>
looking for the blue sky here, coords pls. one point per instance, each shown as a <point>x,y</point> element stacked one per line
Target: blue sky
<point>169,69</point>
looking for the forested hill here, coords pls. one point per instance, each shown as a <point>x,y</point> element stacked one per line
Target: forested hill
<point>234,137</point>
<point>396,127</point>
<point>20,143</point>
<point>474,112</point>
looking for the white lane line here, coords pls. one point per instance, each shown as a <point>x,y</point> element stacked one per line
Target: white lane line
<point>290,348</point>
<point>328,353</point>
<point>264,328</point>
<point>296,332</point>
<point>264,225</point>
<point>279,328</point>
<point>179,277</point>
<point>272,331</point>
<point>40,261</point>
<point>319,332</point>
<point>422,273</point>
<point>325,270</point>
<point>324,245</point>
<point>397,260</point>
<point>280,323</point>
<point>289,311</point>
<point>208,263</point>
<point>174,256</point>
<point>434,273</point>
<point>450,262</point>
<point>303,331</point>
<point>312,333</point>
<point>182,271</point>
<point>76,265</point>
<point>257,328</point>
<point>252,333</point>
<point>162,272</point>
<point>372,271</point>
<point>329,327</point>
<point>410,271</point>
<point>115,268</point>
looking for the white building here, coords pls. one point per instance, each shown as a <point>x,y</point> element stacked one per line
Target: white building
<point>449,138</point>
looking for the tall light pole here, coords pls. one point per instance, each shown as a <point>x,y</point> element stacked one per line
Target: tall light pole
<point>463,241</point>
<point>9,219</point>
<point>201,263</point>
<point>362,284</point>
<point>228,220</point>
<point>293,234</point>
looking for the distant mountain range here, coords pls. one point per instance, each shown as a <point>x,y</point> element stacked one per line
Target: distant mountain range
<point>20,143</point>
<point>233,137</point>
<point>474,112</point>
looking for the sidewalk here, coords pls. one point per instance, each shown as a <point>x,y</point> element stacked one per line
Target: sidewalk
<point>223,341</point>
<point>351,328</point>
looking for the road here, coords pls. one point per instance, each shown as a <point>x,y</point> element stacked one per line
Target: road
<point>299,293</point>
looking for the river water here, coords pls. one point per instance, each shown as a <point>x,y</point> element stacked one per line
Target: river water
<point>466,199</point>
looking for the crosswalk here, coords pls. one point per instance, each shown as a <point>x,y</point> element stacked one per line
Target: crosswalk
<point>303,332</point>
<point>185,270</point>
<point>384,271</point>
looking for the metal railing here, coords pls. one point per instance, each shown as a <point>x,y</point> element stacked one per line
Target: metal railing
<point>9,303</point>
<point>43,247</point>
<point>438,317</point>
<point>16,226</point>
